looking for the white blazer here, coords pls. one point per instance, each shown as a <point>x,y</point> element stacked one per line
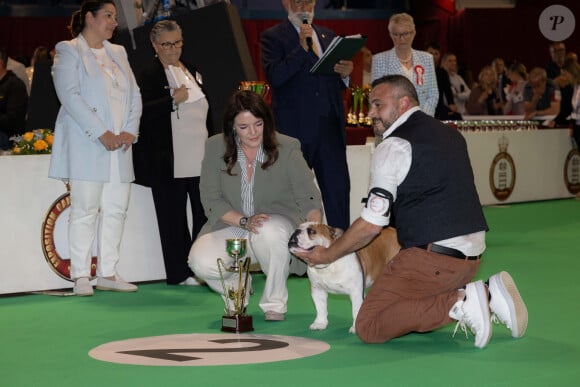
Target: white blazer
<point>85,114</point>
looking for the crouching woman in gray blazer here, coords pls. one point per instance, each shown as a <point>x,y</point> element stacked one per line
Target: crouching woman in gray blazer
<point>255,184</point>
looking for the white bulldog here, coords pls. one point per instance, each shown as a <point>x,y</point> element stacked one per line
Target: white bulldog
<point>351,274</point>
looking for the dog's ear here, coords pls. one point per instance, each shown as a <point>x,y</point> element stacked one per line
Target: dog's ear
<point>336,232</point>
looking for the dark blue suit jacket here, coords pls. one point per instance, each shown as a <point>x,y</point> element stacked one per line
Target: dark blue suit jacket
<point>300,100</point>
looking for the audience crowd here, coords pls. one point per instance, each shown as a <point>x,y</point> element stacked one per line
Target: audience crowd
<point>505,87</point>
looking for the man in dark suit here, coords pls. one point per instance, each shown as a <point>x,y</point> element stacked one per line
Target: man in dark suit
<point>310,107</point>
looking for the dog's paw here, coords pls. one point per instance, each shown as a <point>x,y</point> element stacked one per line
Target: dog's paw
<point>352,330</point>
<point>318,326</point>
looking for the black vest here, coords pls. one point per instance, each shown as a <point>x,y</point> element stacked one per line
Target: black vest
<point>437,200</point>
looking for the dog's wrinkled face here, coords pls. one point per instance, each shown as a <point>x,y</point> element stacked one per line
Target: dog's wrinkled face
<point>311,234</point>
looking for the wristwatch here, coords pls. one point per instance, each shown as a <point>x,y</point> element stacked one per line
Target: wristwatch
<point>243,221</point>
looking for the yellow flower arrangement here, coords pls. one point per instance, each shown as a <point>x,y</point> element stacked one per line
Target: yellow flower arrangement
<point>39,141</point>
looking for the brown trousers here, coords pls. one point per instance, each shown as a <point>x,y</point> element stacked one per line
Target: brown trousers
<point>413,294</point>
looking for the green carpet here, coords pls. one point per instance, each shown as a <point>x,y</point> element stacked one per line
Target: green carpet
<point>44,340</point>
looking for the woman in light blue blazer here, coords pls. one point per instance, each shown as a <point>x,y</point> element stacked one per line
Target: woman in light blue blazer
<point>94,130</point>
<point>417,66</point>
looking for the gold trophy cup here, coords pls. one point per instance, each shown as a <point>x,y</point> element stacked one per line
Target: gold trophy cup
<point>235,318</point>
<point>259,87</point>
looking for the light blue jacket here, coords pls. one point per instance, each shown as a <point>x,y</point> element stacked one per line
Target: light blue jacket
<point>423,73</point>
<point>85,114</point>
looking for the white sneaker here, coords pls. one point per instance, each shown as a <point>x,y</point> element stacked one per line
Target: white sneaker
<point>506,304</point>
<point>190,281</point>
<point>270,315</point>
<point>116,285</point>
<point>83,287</point>
<point>473,312</point>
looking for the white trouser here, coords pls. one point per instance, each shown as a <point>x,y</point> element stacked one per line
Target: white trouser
<point>88,200</point>
<point>269,248</point>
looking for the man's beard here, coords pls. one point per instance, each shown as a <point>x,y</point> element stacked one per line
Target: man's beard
<point>378,127</point>
<point>381,126</point>
<point>298,18</point>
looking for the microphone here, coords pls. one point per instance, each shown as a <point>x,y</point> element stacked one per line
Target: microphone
<point>308,38</point>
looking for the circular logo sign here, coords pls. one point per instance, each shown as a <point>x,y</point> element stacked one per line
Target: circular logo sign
<point>572,171</point>
<point>54,228</point>
<point>207,349</point>
<point>502,176</point>
<point>557,23</point>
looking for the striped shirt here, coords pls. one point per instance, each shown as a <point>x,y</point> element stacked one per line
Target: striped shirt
<point>247,190</point>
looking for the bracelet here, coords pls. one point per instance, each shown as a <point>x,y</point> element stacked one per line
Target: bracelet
<point>175,106</point>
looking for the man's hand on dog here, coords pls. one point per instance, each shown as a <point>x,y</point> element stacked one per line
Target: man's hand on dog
<point>312,257</point>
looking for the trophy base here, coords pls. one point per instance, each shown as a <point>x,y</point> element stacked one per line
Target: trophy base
<point>237,323</point>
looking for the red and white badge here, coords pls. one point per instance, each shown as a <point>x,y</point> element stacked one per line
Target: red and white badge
<point>419,72</point>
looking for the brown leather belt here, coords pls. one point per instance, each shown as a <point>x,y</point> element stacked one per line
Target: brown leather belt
<point>448,251</point>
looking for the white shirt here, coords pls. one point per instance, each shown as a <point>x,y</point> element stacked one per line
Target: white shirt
<point>188,124</point>
<point>247,189</point>
<point>116,85</point>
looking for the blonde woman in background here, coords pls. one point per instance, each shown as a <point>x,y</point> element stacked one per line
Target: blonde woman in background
<point>484,99</point>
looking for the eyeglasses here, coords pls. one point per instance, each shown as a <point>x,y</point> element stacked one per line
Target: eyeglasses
<point>168,45</point>
<point>302,2</point>
<point>402,34</point>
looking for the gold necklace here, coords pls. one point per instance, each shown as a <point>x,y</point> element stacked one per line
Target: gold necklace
<point>111,72</point>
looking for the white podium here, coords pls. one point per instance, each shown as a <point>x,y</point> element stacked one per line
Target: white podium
<point>534,165</point>
<point>27,195</point>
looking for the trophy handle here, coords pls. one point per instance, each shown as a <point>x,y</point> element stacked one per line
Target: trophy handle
<point>245,269</point>
<point>221,268</point>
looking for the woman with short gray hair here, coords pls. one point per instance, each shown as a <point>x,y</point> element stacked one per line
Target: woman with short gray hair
<point>173,130</point>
